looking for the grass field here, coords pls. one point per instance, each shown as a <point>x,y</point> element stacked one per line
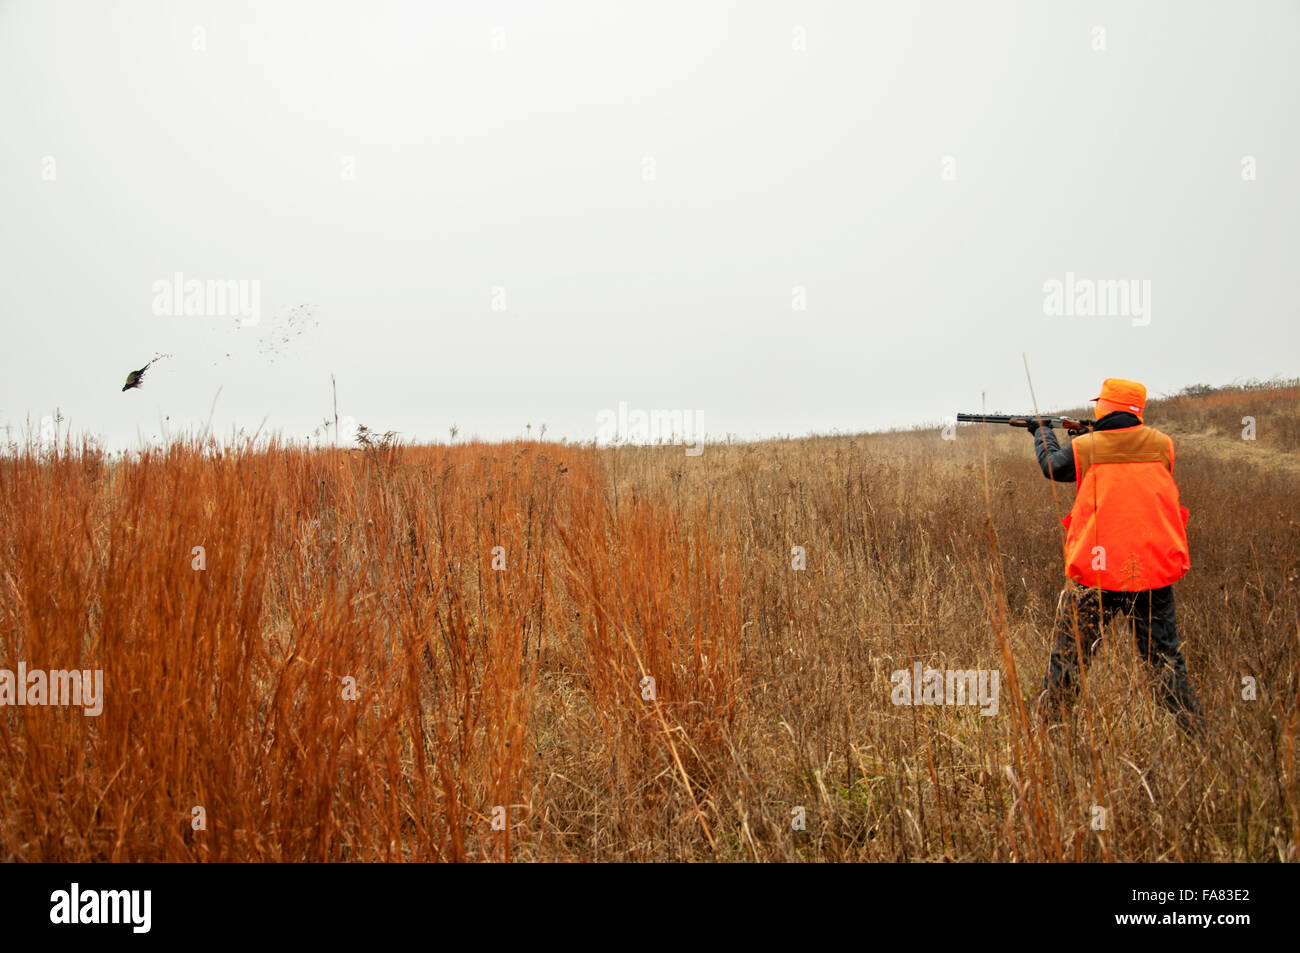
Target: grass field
<point>358,672</point>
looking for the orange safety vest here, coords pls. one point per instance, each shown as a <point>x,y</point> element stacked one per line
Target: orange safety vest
<point>1126,530</point>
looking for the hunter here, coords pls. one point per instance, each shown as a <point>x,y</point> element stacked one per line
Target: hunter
<point>1125,547</point>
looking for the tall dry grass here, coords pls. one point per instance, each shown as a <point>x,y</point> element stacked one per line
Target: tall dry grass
<point>522,695</point>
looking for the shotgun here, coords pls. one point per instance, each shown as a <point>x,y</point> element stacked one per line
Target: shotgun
<point>1029,420</point>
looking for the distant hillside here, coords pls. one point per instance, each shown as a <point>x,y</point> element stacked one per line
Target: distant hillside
<point>1218,413</point>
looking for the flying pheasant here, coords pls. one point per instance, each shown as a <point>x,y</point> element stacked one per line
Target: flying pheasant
<point>136,378</point>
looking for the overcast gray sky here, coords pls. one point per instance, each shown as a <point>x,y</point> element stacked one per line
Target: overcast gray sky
<point>509,213</point>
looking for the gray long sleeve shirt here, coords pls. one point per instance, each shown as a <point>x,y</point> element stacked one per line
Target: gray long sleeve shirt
<point>1057,462</point>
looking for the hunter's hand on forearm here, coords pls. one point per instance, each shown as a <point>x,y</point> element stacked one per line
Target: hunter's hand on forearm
<point>1029,423</point>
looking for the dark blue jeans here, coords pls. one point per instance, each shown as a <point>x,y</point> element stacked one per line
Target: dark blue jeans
<point>1155,632</point>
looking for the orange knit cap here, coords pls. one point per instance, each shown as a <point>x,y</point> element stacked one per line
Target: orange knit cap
<point>1119,394</point>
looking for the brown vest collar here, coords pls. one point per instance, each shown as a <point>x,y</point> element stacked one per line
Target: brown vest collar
<point>1139,444</point>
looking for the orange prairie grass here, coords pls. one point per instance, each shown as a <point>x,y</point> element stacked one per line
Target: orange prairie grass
<point>445,653</point>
